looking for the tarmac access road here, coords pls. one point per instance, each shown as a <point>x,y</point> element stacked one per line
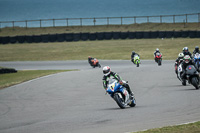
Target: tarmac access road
<point>75,101</point>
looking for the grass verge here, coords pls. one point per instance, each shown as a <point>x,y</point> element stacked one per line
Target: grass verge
<point>185,128</point>
<point>16,31</point>
<point>106,49</point>
<point>10,79</point>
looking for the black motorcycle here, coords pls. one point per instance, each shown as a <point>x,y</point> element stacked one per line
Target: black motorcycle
<point>192,76</point>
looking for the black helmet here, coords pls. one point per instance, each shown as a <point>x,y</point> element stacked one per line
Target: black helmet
<point>185,49</point>
<point>196,48</point>
<point>133,52</point>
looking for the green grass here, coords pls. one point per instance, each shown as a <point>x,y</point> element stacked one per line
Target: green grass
<point>104,28</point>
<point>10,79</point>
<point>106,49</point>
<point>185,128</point>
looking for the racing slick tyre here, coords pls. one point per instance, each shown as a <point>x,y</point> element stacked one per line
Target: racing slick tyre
<point>120,101</point>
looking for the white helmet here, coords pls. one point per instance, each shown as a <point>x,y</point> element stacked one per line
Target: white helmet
<point>106,70</point>
<point>181,55</point>
<point>157,49</point>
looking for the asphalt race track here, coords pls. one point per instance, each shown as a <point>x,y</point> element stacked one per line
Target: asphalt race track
<point>74,102</point>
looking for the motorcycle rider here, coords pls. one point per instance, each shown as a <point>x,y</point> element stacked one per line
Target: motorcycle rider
<point>196,50</point>
<point>187,61</point>
<point>178,60</point>
<point>90,60</point>
<point>107,75</point>
<point>186,52</point>
<point>157,51</point>
<point>132,56</point>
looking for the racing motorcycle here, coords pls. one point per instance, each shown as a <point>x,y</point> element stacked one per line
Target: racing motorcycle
<point>197,60</point>
<point>177,64</point>
<point>120,94</point>
<point>191,75</point>
<point>95,63</point>
<point>136,60</point>
<point>158,58</point>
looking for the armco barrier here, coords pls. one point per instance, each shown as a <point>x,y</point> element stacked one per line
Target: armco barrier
<point>98,36</point>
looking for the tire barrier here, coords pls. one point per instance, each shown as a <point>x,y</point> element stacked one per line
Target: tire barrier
<point>13,39</point>
<point>5,40</point>
<point>108,35</point>
<point>154,34</point>
<point>92,36</point>
<point>146,35</point>
<point>100,36</point>
<point>77,36</point>
<point>84,36</point>
<point>161,34</point>
<point>69,37</point>
<point>124,35</point>
<point>116,35</point>
<point>139,35</point>
<point>131,35</point>
<point>169,34</point>
<point>177,34</point>
<point>7,70</point>
<point>45,38</point>
<point>37,39</point>
<point>29,39</point>
<point>20,39</point>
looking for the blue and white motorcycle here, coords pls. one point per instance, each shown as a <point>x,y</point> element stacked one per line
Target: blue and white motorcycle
<point>120,94</point>
<point>197,60</point>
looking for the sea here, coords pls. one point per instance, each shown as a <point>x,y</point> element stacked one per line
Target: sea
<point>93,10</point>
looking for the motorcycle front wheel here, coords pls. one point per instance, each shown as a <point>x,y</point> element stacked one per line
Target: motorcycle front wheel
<point>120,101</point>
<point>194,82</point>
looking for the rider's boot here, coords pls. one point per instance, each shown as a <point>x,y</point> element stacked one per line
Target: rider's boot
<point>129,91</point>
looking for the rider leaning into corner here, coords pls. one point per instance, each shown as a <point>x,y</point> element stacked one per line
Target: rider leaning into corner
<point>108,74</point>
<point>90,60</point>
<point>187,61</point>
<point>196,50</point>
<point>186,52</point>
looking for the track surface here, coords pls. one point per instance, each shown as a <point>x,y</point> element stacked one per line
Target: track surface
<point>72,102</point>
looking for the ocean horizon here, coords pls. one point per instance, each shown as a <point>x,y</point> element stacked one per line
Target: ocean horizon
<point>21,10</point>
